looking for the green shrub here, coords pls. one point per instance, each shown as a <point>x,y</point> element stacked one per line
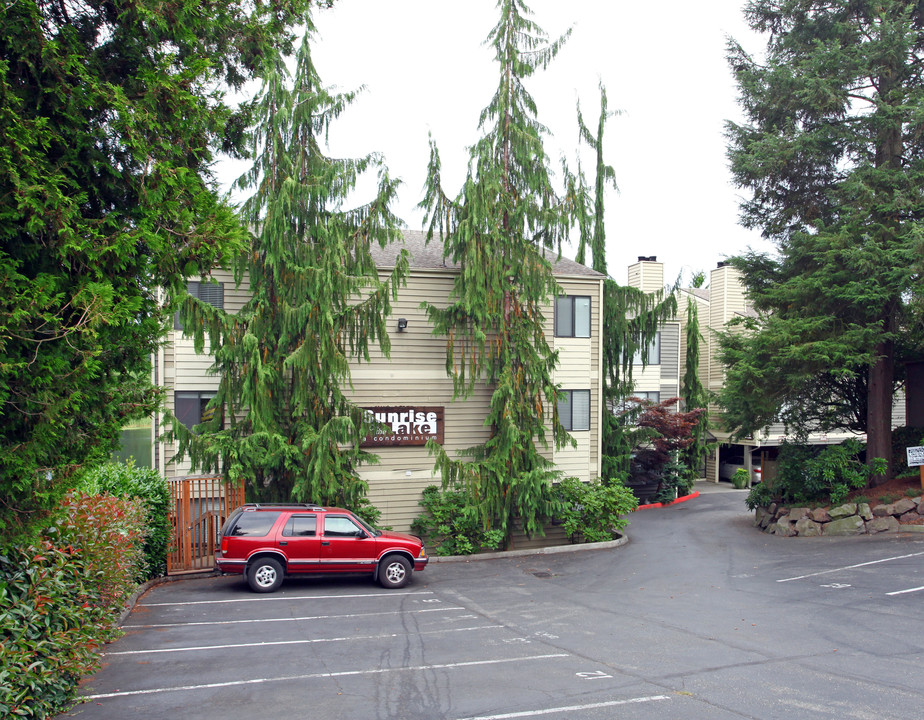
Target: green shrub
<point>741,478</point>
<point>368,512</point>
<point>125,480</point>
<point>809,475</point>
<point>761,495</point>
<point>594,510</point>
<point>676,481</point>
<point>450,524</point>
<point>60,599</point>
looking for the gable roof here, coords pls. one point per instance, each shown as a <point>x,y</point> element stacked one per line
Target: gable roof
<point>429,256</point>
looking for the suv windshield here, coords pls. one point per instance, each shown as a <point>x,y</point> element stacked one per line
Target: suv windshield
<point>371,530</point>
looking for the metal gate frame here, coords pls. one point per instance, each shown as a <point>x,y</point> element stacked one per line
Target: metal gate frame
<point>199,507</point>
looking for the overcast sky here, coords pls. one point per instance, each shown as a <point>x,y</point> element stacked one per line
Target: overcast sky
<point>426,70</point>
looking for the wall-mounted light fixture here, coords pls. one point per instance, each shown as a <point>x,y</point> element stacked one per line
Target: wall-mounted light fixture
<point>402,324</point>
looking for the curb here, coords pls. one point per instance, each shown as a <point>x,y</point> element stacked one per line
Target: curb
<point>552,550</point>
<point>692,495</point>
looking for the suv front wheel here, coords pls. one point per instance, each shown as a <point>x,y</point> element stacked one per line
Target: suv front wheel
<point>394,572</point>
<point>265,575</point>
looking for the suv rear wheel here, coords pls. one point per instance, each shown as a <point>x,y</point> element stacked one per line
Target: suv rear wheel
<point>265,575</point>
<point>394,572</point>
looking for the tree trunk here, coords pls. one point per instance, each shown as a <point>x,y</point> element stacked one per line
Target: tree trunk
<point>879,410</point>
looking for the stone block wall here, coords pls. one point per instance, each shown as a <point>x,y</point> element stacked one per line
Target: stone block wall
<point>905,515</point>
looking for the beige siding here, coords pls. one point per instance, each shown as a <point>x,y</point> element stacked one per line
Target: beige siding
<point>670,360</point>
<point>415,374</point>
<point>726,301</point>
<point>647,276</point>
<point>579,368</point>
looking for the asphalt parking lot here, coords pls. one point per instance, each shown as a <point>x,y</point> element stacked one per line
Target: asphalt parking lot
<point>699,616</point>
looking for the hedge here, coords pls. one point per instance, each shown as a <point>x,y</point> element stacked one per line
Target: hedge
<point>60,600</point>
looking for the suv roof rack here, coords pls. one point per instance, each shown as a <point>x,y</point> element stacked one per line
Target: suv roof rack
<point>261,506</point>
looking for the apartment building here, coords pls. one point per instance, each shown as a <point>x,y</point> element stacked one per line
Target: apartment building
<point>410,390</point>
<point>718,304</point>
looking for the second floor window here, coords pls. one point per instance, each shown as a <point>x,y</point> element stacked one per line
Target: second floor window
<point>572,316</point>
<point>654,352</point>
<point>212,293</point>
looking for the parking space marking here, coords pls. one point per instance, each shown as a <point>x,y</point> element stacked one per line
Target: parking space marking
<point>315,676</point>
<point>569,708</point>
<point>309,641</point>
<point>296,619</point>
<point>909,590</point>
<point>852,567</point>
<point>267,598</point>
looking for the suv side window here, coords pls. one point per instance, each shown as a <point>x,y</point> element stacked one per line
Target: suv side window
<point>254,524</point>
<point>301,526</point>
<point>339,526</point>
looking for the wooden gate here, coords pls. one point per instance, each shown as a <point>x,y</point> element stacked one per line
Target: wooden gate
<point>199,508</point>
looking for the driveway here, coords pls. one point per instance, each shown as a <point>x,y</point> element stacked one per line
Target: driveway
<point>699,616</point>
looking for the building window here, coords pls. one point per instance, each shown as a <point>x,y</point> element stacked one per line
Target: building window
<point>654,352</point>
<point>652,396</point>
<point>212,293</point>
<point>190,408</point>
<point>572,316</point>
<point>574,409</point>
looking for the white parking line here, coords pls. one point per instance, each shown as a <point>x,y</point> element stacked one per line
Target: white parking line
<point>851,567</point>
<point>292,619</point>
<point>294,642</point>
<point>313,676</point>
<point>909,590</point>
<point>267,598</point>
<point>570,708</point>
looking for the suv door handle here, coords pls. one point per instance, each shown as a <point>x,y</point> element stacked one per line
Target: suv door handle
<point>283,542</point>
<point>325,542</point>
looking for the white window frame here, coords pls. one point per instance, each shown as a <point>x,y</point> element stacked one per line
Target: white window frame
<point>566,408</point>
<point>568,304</point>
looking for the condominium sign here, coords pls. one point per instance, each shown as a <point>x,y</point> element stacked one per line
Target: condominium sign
<point>915,456</point>
<point>404,425</point>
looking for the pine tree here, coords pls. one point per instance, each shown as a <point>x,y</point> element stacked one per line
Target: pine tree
<point>282,420</point>
<point>501,231</point>
<point>694,394</point>
<point>592,227</point>
<point>631,317</point>
<point>834,158</point>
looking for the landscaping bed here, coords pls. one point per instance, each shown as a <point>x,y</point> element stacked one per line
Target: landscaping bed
<point>896,506</point>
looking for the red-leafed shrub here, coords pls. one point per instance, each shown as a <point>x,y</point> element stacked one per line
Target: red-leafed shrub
<point>60,599</point>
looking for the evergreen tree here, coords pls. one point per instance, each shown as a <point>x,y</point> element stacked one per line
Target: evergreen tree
<point>694,395</point>
<point>501,231</point>
<point>110,117</point>
<point>592,227</point>
<point>833,156</point>
<point>282,420</point>
<point>631,317</point>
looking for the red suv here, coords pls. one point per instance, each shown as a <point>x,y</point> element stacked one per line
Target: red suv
<point>266,542</point>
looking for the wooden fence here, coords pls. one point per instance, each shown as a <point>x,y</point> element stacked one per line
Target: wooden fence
<point>200,505</point>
